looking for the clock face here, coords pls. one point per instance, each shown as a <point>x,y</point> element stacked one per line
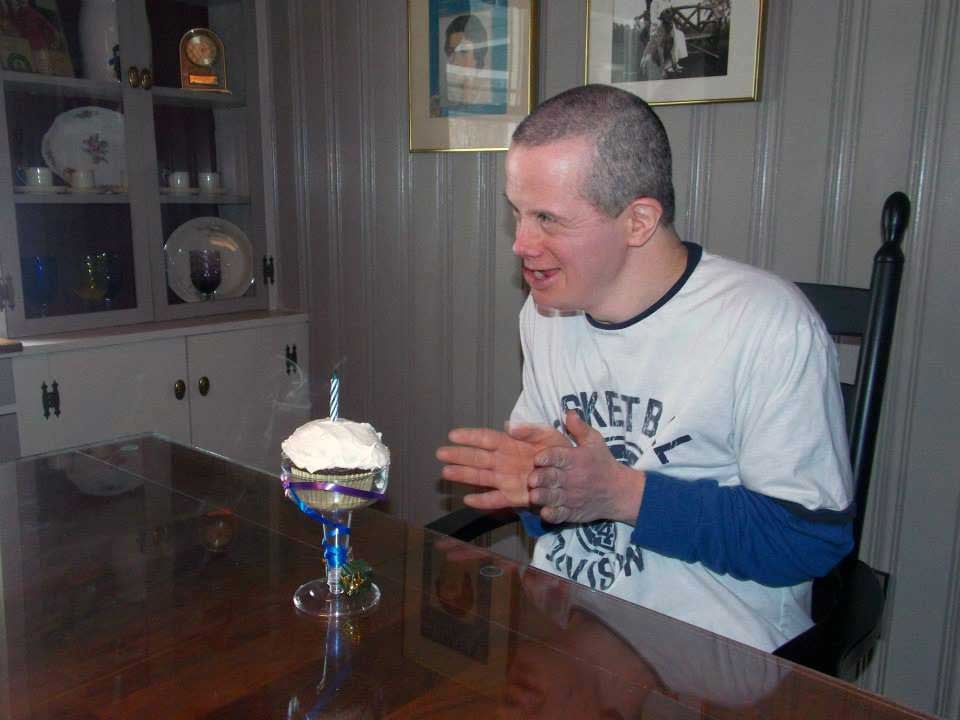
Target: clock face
<point>201,50</point>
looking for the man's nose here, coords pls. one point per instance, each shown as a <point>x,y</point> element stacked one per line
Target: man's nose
<point>526,240</point>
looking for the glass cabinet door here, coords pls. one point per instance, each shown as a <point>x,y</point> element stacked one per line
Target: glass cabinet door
<point>207,145</point>
<point>130,162</point>
<point>69,240</point>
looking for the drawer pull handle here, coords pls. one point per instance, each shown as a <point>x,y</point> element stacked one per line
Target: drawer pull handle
<point>179,389</point>
<point>204,385</point>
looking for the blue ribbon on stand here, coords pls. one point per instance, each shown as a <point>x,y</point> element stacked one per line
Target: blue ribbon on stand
<point>335,555</point>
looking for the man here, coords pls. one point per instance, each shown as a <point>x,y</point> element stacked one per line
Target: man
<point>703,466</point>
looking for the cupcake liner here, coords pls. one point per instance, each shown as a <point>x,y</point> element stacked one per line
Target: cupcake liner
<point>326,501</point>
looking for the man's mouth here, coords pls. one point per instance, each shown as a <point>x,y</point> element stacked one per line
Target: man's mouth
<point>540,275</point>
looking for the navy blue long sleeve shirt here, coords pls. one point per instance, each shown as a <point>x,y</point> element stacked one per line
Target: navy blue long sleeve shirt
<point>732,530</point>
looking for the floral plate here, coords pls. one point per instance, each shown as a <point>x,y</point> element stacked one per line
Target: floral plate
<point>87,138</point>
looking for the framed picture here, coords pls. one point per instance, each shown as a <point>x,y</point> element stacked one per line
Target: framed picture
<point>471,65</point>
<point>459,611</point>
<point>32,38</point>
<point>672,52</point>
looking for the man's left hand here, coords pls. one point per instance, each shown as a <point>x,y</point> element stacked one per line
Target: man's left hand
<point>584,483</point>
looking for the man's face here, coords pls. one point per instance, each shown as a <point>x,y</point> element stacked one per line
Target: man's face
<point>572,253</point>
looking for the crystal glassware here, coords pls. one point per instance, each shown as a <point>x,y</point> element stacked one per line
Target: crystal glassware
<point>93,278</point>
<point>331,500</point>
<point>40,283</point>
<point>205,271</point>
<point>114,273</point>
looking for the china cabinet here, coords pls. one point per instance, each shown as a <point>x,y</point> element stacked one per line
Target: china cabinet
<point>134,260</point>
<point>125,198</point>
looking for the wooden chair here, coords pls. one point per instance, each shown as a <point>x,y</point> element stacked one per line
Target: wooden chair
<point>848,602</point>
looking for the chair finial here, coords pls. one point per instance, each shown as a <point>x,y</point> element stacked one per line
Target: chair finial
<point>896,215</point>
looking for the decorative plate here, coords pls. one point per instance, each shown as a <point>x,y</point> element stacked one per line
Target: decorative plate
<point>209,233</point>
<point>87,138</point>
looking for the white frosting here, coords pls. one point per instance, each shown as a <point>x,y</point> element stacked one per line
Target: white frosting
<point>325,444</point>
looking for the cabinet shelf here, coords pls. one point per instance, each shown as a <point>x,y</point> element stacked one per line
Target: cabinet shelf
<point>72,199</point>
<point>196,98</point>
<point>221,199</point>
<point>61,86</point>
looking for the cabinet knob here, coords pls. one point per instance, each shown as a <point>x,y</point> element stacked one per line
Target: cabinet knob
<point>204,385</point>
<point>179,389</point>
<point>146,79</point>
<point>133,76</point>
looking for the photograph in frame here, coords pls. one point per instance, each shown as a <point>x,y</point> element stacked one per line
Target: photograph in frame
<point>471,72</point>
<point>676,51</point>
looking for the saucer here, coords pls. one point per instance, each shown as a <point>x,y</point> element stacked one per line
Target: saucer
<point>41,189</point>
<point>172,191</point>
<point>86,190</point>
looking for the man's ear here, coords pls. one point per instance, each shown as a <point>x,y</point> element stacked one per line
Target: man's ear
<point>643,216</point>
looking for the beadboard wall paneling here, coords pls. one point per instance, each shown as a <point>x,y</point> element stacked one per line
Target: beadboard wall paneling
<point>881,130</point>
<point>733,153</point>
<point>387,202</point>
<point>804,96</point>
<point>920,661</point>
<point>411,275</point>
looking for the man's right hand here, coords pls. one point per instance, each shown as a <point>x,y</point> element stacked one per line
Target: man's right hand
<point>501,461</point>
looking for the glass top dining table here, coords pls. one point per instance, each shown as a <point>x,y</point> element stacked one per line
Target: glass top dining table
<point>145,579</point>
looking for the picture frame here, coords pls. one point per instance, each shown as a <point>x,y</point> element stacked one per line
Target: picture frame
<point>672,52</point>
<point>472,72</point>
<point>459,614</point>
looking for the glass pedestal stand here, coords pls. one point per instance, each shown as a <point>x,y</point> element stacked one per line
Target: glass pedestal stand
<point>331,499</point>
<point>326,597</point>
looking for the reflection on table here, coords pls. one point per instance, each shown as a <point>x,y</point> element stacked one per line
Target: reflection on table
<point>146,579</point>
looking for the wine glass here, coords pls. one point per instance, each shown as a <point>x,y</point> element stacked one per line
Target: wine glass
<point>114,276</point>
<point>331,499</point>
<point>93,278</point>
<point>40,282</point>
<point>205,271</point>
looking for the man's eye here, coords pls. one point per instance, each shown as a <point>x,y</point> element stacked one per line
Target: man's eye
<point>544,218</point>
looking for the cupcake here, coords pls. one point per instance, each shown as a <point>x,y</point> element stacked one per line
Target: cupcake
<point>336,465</point>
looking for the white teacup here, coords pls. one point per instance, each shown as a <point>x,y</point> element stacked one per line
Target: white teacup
<point>180,181</point>
<point>36,176</point>
<point>82,180</point>
<point>209,182</point>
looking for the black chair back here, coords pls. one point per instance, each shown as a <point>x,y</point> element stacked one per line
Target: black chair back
<point>867,314</point>
<point>848,602</point>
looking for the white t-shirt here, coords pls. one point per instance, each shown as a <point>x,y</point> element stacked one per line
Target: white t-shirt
<point>731,376</point>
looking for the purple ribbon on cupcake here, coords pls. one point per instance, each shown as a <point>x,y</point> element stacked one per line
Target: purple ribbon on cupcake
<point>334,487</point>
<point>289,483</point>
